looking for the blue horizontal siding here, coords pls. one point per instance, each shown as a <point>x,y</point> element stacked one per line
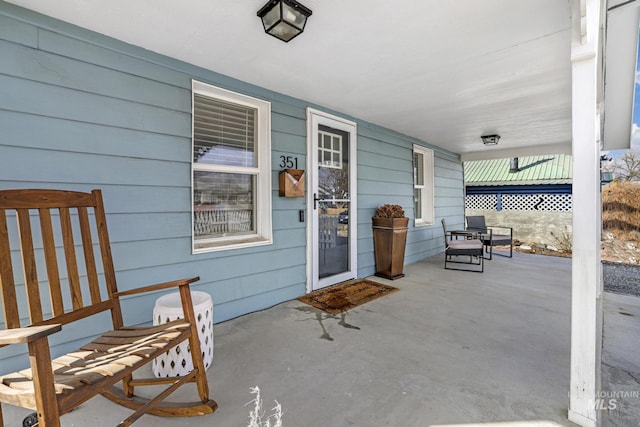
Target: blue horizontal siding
<point>79,111</point>
<point>107,53</point>
<point>18,32</point>
<point>120,170</point>
<point>71,104</point>
<point>50,133</point>
<point>59,71</point>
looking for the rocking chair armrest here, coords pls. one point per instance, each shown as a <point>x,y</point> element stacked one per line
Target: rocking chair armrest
<point>160,286</point>
<point>28,334</point>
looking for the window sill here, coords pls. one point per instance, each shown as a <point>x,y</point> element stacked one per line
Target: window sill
<point>205,247</point>
<point>420,223</point>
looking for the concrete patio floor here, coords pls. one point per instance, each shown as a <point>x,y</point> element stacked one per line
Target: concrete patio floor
<point>450,348</point>
<point>621,360</point>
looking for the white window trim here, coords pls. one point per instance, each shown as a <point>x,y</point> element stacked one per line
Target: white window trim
<point>427,190</point>
<point>264,232</point>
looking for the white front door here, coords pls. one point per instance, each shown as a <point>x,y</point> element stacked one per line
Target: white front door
<point>332,254</point>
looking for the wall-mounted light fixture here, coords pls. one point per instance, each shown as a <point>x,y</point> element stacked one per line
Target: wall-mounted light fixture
<point>490,139</point>
<point>284,19</point>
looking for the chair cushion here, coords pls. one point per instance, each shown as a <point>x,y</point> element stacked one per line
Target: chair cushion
<point>497,239</point>
<point>465,247</point>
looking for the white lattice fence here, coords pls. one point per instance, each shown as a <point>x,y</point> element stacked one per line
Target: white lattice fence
<point>521,202</point>
<point>537,202</point>
<point>480,201</point>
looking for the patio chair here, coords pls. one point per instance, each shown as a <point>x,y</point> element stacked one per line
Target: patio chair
<point>489,238</point>
<point>56,269</point>
<point>457,245</point>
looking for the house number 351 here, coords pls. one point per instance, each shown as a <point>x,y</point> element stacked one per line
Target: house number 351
<point>288,162</point>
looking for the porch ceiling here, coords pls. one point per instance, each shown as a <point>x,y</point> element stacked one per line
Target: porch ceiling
<point>442,71</point>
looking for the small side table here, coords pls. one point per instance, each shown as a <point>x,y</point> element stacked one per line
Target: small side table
<point>467,234</point>
<point>177,361</point>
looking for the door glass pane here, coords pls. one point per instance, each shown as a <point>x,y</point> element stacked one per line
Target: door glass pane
<point>333,238</point>
<point>334,205</point>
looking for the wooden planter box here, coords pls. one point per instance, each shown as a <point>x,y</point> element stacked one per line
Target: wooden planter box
<point>389,241</point>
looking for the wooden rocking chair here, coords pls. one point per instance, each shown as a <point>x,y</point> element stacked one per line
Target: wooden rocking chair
<point>75,288</point>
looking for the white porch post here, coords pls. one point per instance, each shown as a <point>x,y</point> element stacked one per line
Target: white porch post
<point>586,283</point>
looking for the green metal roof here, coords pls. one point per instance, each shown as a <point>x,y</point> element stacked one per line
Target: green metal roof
<point>532,170</point>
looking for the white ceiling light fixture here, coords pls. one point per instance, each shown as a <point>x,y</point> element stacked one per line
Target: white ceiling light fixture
<point>284,19</point>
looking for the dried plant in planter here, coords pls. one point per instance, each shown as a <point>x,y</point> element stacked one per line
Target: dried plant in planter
<point>389,211</point>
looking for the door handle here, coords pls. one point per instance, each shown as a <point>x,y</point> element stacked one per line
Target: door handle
<point>315,201</point>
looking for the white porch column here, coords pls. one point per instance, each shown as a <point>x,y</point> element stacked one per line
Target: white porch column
<point>586,282</point>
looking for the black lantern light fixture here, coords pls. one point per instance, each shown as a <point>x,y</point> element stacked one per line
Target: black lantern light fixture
<point>284,19</point>
<point>490,139</point>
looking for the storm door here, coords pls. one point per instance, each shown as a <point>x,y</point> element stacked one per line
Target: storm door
<point>332,190</point>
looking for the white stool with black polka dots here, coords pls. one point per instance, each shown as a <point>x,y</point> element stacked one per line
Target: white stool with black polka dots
<point>177,361</point>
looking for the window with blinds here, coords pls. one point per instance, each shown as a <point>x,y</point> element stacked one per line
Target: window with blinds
<point>231,169</point>
<point>223,133</point>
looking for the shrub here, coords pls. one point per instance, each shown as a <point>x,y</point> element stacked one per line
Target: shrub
<point>563,241</point>
<point>621,209</point>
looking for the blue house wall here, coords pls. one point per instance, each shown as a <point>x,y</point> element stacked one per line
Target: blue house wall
<point>79,110</point>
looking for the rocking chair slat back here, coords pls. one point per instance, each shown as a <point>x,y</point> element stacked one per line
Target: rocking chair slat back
<point>60,271</point>
<point>51,260</point>
<point>7,287</point>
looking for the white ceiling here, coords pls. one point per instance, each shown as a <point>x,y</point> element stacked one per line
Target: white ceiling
<point>442,71</point>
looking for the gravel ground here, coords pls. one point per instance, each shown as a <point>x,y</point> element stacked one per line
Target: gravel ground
<point>620,268</point>
<point>621,278</point>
